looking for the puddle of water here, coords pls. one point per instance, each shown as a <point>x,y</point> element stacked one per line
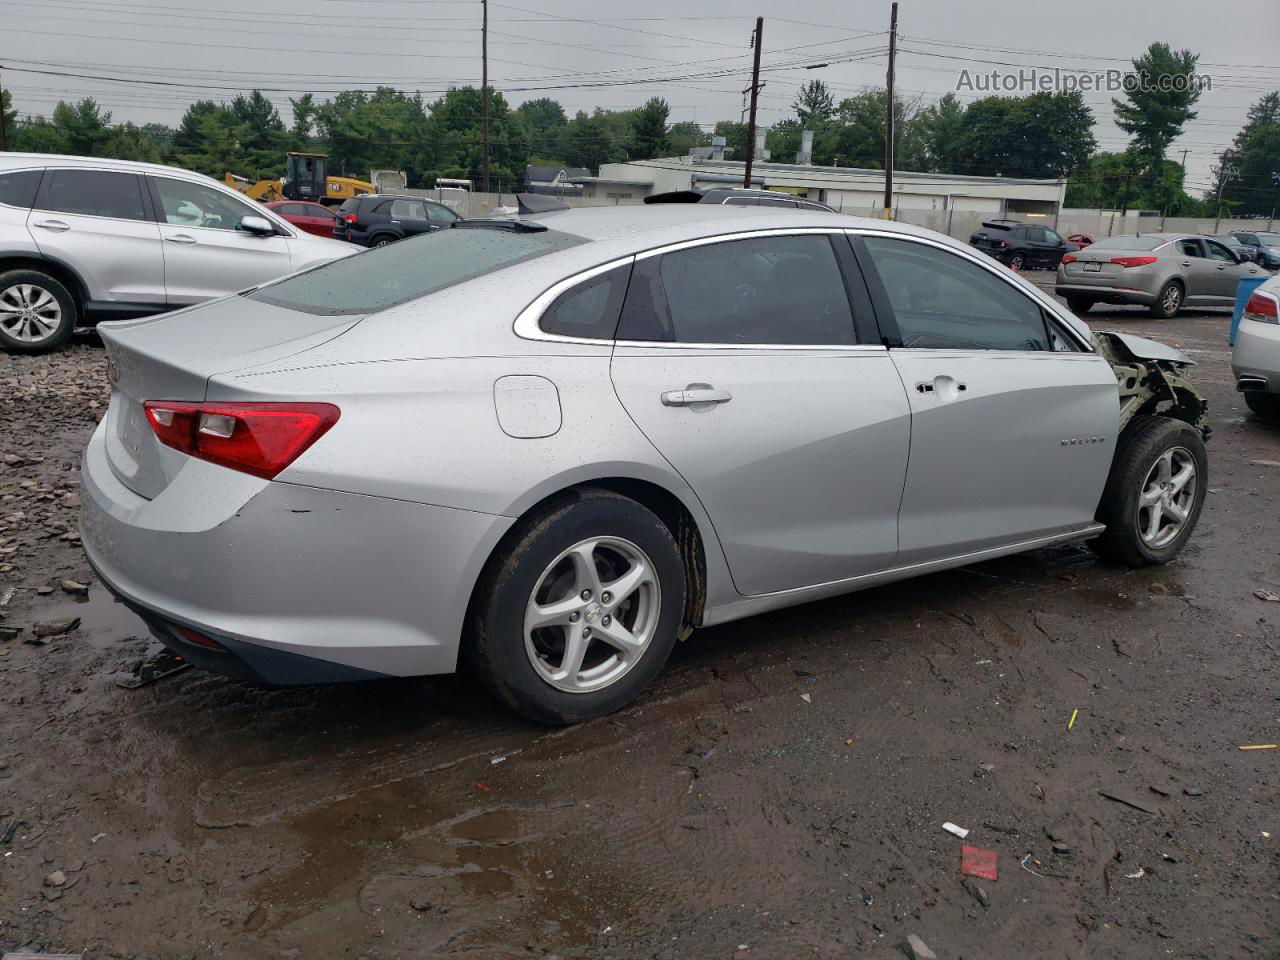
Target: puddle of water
<point>104,621</point>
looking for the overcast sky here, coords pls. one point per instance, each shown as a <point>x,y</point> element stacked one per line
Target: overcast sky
<point>694,54</point>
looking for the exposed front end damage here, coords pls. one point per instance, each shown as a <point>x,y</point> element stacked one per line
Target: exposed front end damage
<point>1153,380</point>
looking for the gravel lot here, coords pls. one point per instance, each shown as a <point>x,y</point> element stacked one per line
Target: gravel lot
<point>779,793</point>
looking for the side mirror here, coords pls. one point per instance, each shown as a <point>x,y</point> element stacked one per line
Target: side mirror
<point>259,226</point>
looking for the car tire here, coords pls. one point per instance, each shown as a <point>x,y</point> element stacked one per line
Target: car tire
<point>1264,405</point>
<point>1080,304</point>
<point>1152,453</point>
<point>1018,261</point>
<point>541,568</point>
<point>1169,301</point>
<point>382,239</point>
<point>49,325</point>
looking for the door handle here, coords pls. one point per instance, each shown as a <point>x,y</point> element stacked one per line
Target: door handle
<point>1186,263</point>
<point>1222,266</point>
<point>943,387</point>
<point>180,238</point>
<point>57,226</point>
<point>695,393</point>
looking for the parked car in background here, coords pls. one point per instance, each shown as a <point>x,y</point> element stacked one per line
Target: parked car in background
<point>1266,243</point>
<point>1163,271</point>
<point>739,197</point>
<point>1081,240</point>
<point>606,428</point>
<point>379,219</point>
<point>314,218</point>
<point>1023,246</point>
<point>1255,360</point>
<point>1236,246</point>
<point>85,239</point>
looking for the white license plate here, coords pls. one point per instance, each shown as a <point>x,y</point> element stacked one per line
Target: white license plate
<point>1093,268</point>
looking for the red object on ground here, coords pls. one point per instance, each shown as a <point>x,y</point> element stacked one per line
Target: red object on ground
<point>976,862</point>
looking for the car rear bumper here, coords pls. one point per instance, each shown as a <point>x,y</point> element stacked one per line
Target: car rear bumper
<point>296,584</point>
<point>1257,356</point>
<point>1101,294</point>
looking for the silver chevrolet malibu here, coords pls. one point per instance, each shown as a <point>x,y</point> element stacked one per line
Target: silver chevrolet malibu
<point>553,446</point>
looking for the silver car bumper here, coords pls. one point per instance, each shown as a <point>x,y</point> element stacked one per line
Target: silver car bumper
<point>1105,294</point>
<point>1257,356</point>
<point>296,584</point>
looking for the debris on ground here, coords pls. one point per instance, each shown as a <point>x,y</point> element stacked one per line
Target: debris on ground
<point>1072,722</point>
<point>1193,791</point>
<point>917,949</point>
<point>1129,800</point>
<point>55,879</point>
<point>153,668</point>
<point>1258,746</point>
<point>1162,791</point>
<point>1267,595</point>
<point>977,891</point>
<point>54,628</point>
<point>6,595</point>
<point>960,832</point>
<point>1136,875</point>
<point>1023,862</point>
<point>742,953</point>
<point>980,863</point>
<point>10,633</point>
<point>806,698</point>
<point>75,588</point>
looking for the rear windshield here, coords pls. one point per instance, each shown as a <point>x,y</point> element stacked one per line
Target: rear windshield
<point>1131,243</point>
<point>348,205</point>
<point>398,272</point>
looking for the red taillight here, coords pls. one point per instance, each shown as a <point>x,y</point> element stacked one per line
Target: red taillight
<point>1262,307</point>
<point>348,217</point>
<point>1003,243</point>
<point>257,438</point>
<point>1068,258</point>
<point>1133,261</point>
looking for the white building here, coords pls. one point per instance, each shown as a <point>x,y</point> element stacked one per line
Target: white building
<point>850,189</point>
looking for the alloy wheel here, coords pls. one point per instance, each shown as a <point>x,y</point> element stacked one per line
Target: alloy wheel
<point>1166,498</point>
<point>29,312</point>
<point>1172,298</point>
<point>592,614</point>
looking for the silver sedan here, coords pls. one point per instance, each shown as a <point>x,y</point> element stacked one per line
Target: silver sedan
<point>1163,271</point>
<point>1256,358</point>
<point>551,447</point>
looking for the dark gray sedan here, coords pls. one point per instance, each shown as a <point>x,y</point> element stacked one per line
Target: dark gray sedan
<point>1163,271</point>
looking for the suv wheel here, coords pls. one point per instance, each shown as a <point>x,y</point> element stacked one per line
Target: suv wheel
<point>382,239</point>
<point>1266,405</point>
<point>1018,261</point>
<point>580,612</point>
<point>37,313</point>
<point>1154,493</point>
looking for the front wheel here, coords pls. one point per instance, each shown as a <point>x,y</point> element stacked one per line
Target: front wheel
<point>579,612</point>
<point>1265,405</point>
<point>1154,493</point>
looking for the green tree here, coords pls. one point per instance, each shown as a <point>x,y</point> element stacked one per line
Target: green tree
<point>37,135</point>
<point>586,141</point>
<point>783,140</point>
<point>684,136</point>
<point>451,143</point>
<point>206,141</point>
<point>264,141</point>
<point>8,116</point>
<point>1162,89</point>
<point>1255,155</point>
<point>735,138</point>
<point>544,120</point>
<point>649,130</point>
<point>84,127</point>
<point>941,127</point>
<point>1040,135</point>
<point>814,103</point>
<point>129,142</point>
<point>304,117</point>
<point>856,136</point>
<point>386,129</point>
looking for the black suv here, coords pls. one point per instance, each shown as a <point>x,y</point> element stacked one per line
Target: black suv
<point>1023,246</point>
<point>380,218</point>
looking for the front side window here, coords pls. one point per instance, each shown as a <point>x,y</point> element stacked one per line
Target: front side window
<point>439,213</point>
<point>185,204</point>
<point>1052,236</point>
<point>943,301</point>
<point>1218,251</point>
<point>765,290</point>
<point>93,193</point>
<point>18,188</point>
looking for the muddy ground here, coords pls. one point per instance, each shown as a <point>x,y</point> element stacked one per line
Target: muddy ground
<point>779,793</point>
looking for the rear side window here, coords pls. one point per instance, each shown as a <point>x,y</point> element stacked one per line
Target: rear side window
<point>943,301</point>
<point>765,290</point>
<point>93,193</point>
<point>404,271</point>
<point>408,210</point>
<point>590,309</point>
<point>18,189</point>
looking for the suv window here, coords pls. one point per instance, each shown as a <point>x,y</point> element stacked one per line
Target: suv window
<point>185,204</point>
<point>439,213</point>
<point>399,272</point>
<point>18,189</point>
<point>1052,236</point>
<point>408,210</point>
<point>767,290</point>
<point>93,193</point>
<point>590,309</point>
<point>942,301</point>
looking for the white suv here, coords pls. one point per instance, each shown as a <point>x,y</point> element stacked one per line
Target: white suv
<point>84,239</point>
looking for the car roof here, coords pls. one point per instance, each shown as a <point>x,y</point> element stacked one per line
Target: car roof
<point>13,161</point>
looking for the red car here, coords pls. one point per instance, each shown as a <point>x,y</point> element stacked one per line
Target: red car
<point>1081,240</point>
<point>311,217</point>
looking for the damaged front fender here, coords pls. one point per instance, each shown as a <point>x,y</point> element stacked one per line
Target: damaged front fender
<point>1153,380</point>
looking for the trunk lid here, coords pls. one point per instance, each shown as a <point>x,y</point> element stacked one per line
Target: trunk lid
<point>172,357</point>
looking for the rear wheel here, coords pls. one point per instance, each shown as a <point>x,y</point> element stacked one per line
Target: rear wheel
<point>37,313</point>
<point>1169,302</point>
<point>1018,261</point>
<point>1154,493</point>
<point>1080,304</point>
<point>580,611</point>
<point>1266,405</point>
<point>382,239</point>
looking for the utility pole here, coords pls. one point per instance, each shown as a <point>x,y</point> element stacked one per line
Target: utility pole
<point>1184,161</point>
<point>1226,172</point>
<point>757,41</point>
<point>888,120</point>
<point>4,136</point>
<point>484,93</point>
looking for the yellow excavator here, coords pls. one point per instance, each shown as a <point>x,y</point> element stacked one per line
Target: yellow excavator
<point>304,179</point>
